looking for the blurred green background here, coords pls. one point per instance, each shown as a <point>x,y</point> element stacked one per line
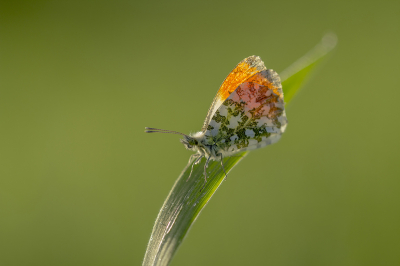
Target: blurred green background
<point>81,184</point>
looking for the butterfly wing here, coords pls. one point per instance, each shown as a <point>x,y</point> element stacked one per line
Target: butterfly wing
<point>251,117</point>
<point>242,72</point>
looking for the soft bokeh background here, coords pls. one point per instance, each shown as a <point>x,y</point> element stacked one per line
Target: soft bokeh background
<point>81,184</point>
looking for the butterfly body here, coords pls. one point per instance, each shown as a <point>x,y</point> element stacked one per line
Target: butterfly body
<point>246,114</point>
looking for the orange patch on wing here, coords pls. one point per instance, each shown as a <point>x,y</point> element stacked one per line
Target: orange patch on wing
<point>260,79</point>
<point>240,74</point>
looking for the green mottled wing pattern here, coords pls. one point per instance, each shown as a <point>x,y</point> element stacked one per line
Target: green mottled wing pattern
<point>252,117</point>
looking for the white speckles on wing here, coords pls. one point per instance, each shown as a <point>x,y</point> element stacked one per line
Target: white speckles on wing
<point>273,129</point>
<point>283,120</point>
<point>234,137</point>
<point>215,130</point>
<point>264,121</point>
<point>223,111</point>
<point>265,141</point>
<point>250,133</point>
<point>252,142</point>
<point>233,122</point>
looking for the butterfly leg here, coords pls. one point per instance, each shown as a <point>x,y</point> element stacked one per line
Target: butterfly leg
<point>205,171</point>
<point>223,168</point>
<point>195,158</point>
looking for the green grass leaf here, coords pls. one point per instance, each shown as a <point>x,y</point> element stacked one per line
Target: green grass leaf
<point>187,198</point>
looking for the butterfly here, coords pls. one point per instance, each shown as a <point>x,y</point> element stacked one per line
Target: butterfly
<point>247,113</point>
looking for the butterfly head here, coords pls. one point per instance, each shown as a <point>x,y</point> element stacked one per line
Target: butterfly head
<point>189,143</point>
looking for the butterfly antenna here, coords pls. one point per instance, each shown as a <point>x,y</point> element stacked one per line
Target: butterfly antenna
<point>157,130</point>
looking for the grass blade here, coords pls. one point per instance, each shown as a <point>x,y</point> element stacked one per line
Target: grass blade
<point>186,198</point>
<point>297,74</point>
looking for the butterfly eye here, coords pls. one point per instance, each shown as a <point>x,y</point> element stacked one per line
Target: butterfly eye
<point>193,142</point>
